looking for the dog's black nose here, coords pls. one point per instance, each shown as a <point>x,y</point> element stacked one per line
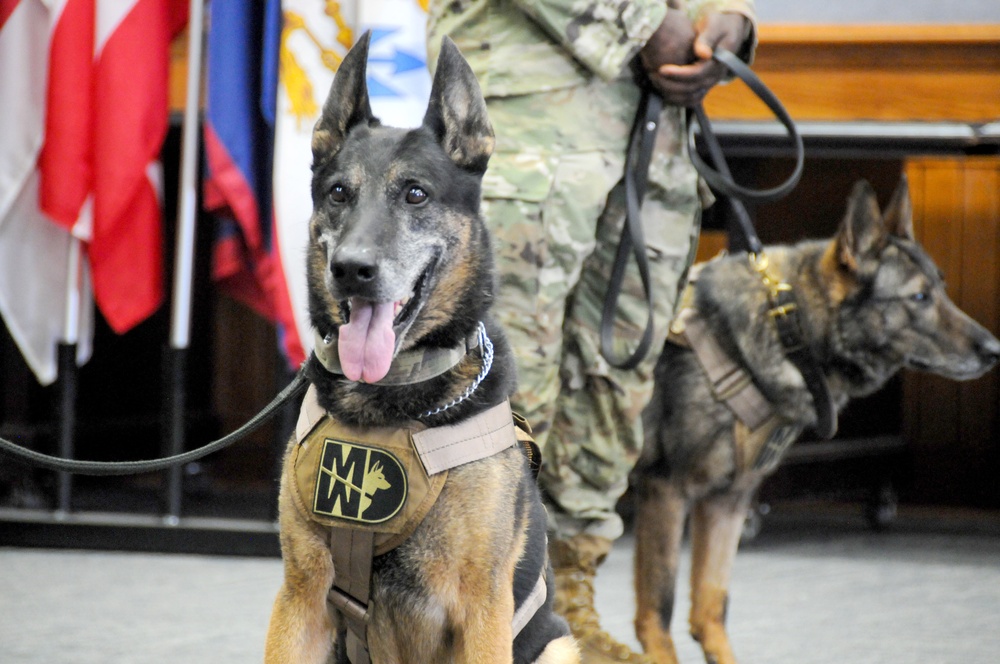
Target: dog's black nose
<point>989,349</point>
<point>354,268</point>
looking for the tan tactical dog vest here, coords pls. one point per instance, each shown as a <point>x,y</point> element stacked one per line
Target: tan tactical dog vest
<point>385,480</point>
<point>373,486</point>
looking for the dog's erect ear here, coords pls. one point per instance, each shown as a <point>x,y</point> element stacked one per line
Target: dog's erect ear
<point>862,232</point>
<point>347,104</point>
<point>899,215</point>
<point>457,113</point>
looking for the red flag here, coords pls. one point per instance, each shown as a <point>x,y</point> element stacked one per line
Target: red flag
<point>66,161</point>
<point>130,123</point>
<point>34,254</point>
<point>105,128</point>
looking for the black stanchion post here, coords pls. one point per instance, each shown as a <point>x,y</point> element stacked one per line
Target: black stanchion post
<point>67,419</point>
<point>173,430</point>
<point>67,372</point>
<point>180,324</point>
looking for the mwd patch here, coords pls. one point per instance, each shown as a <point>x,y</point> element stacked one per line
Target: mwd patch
<point>363,478</point>
<point>358,483</point>
<point>385,480</point>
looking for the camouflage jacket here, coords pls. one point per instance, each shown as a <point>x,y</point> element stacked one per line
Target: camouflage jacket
<point>524,46</point>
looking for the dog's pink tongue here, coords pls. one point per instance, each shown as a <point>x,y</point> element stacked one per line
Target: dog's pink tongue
<point>366,343</point>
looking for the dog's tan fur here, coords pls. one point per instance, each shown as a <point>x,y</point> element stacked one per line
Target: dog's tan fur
<point>465,553</point>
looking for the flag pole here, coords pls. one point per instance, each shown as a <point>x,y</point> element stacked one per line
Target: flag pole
<point>180,326</point>
<point>67,372</point>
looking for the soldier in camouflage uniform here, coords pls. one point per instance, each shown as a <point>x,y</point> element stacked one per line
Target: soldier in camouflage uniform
<point>559,78</point>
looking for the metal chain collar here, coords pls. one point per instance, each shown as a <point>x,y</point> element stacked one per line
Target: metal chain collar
<point>487,346</point>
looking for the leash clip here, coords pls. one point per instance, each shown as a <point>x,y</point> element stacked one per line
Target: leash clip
<point>775,286</point>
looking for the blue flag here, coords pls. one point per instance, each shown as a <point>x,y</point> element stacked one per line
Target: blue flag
<point>241,75</point>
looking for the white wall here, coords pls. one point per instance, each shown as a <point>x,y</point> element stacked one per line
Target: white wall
<point>878,11</point>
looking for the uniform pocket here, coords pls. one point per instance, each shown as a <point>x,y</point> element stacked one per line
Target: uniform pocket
<point>519,176</point>
<point>515,189</point>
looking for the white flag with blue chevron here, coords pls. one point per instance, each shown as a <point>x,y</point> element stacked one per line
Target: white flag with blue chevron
<point>398,81</point>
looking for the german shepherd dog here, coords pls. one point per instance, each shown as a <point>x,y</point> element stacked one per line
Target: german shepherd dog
<point>400,262</point>
<point>870,302</point>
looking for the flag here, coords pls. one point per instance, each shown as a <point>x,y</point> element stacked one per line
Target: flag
<point>238,135</point>
<point>34,253</point>
<point>399,83</point>
<point>130,123</point>
<point>106,121</point>
<point>24,28</point>
<point>66,161</point>
<point>314,39</point>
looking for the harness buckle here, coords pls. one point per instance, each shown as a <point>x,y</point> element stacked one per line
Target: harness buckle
<point>352,609</point>
<point>782,309</point>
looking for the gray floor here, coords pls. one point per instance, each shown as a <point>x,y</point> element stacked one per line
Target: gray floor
<point>804,591</point>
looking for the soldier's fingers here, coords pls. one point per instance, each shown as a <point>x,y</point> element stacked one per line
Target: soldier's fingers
<point>679,93</point>
<point>703,74</point>
<point>728,30</point>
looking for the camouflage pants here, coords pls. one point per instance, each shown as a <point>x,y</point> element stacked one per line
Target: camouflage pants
<point>556,220</point>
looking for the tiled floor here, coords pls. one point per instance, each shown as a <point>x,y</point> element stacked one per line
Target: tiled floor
<point>805,591</point>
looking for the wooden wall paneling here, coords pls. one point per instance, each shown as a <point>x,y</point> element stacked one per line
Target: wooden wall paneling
<point>952,427</point>
<point>912,408</point>
<point>935,466</point>
<point>978,419</point>
<point>710,243</point>
<point>177,87</point>
<point>245,375</point>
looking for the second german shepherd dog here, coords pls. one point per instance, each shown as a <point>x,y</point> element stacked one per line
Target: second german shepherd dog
<point>400,264</point>
<point>870,302</point>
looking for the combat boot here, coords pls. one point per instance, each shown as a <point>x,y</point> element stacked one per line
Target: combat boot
<point>575,561</point>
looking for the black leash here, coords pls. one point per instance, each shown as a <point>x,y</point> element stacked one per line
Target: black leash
<point>636,175</point>
<point>720,178</point>
<point>784,309</point>
<point>79,467</point>
<point>640,151</point>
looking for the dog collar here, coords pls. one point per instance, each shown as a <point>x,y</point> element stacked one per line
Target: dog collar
<point>407,367</point>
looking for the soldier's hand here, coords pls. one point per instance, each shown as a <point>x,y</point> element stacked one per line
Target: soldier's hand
<point>728,30</point>
<point>687,84</point>
<point>672,43</point>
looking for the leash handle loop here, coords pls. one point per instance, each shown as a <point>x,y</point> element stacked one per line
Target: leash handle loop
<point>719,177</point>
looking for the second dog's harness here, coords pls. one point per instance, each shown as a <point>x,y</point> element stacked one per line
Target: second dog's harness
<point>372,486</point>
<point>760,435</point>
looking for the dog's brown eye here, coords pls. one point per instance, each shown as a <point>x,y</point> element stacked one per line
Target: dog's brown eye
<point>338,193</point>
<point>416,195</point>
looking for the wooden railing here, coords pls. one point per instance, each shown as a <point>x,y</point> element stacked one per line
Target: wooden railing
<point>891,72</point>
